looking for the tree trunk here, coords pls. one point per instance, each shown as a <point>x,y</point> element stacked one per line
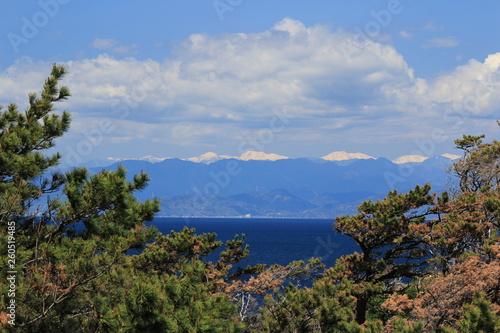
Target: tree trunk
<point>361,305</point>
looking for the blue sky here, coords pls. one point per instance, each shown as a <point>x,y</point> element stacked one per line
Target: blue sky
<point>297,78</point>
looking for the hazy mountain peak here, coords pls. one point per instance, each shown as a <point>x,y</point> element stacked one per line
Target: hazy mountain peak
<point>209,155</point>
<point>259,155</point>
<point>410,159</point>
<point>420,158</point>
<point>342,156</point>
<point>451,156</point>
<point>153,159</point>
<point>208,158</point>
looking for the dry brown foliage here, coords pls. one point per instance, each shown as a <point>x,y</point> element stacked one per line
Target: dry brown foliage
<point>445,295</point>
<point>4,319</point>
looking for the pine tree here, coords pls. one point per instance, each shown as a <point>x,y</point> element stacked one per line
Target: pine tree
<point>74,270</point>
<point>390,247</point>
<point>23,138</point>
<point>477,169</point>
<point>58,267</point>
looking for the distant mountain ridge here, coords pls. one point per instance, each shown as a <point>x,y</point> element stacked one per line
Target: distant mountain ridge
<point>275,186</point>
<point>211,157</point>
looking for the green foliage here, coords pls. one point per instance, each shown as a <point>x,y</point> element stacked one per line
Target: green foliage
<point>324,308</point>
<point>384,232</point>
<point>469,143</point>
<point>374,311</point>
<point>171,253</point>
<point>23,137</point>
<point>170,303</point>
<point>391,249</point>
<point>402,326</point>
<point>478,169</point>
<point>478,317</point>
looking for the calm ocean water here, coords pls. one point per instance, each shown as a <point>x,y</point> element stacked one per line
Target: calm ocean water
<point>272,241</point>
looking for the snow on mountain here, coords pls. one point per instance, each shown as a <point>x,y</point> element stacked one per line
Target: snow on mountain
<point>153,159</point>
<point>419,158</point>
<point>409,159</point>
<point>342,156</point>
<point>149,158</point>
<point>208,158</point>
<point>451,156</point>
<point>211,157</point>
<point>259,155</point>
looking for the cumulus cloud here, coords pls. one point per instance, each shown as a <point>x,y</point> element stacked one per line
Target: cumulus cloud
<point>471,89</point>
<point>241,77</point>
<point>225,87</point>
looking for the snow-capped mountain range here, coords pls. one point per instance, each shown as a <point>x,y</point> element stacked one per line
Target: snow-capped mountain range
<point>252,183</point>
<point>210,157</point>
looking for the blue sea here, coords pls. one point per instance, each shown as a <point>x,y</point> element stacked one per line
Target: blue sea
<point>272,241</point>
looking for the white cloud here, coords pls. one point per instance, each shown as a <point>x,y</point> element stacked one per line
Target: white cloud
<point>405,34</point>
<point>470,90</point>
<point>244,76</point>
<point>443,42</point>
<point>474,87</point>
<point>428,26</point>
<point>114,46</point>
<point>225,88</point>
